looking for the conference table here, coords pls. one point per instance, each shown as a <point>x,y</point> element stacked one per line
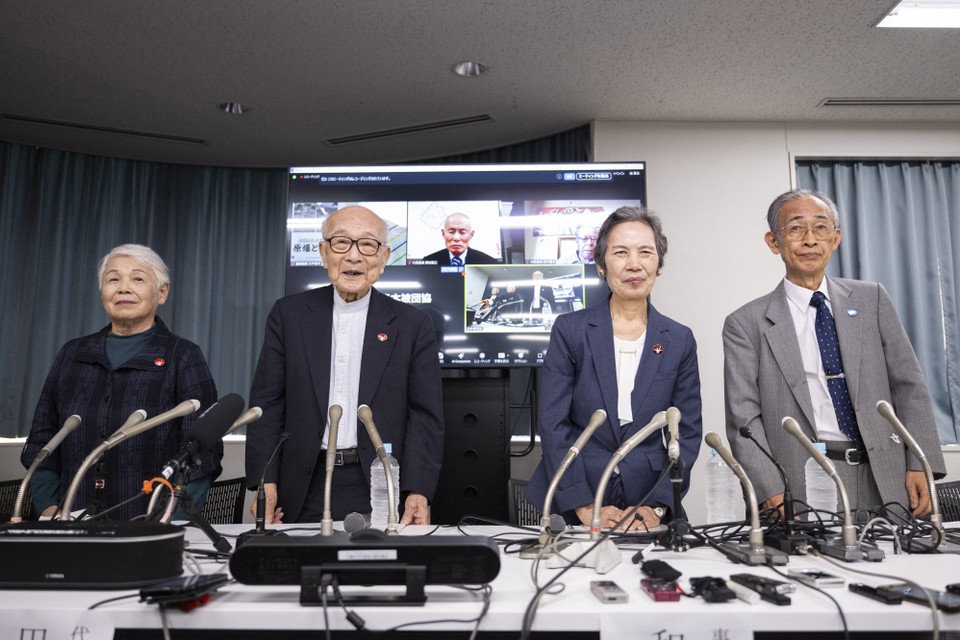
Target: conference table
<point>247,610</point>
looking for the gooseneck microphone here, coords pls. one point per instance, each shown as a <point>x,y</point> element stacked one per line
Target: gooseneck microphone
<point>185,408</point>
<point>659,421</point>
<point>249,416</point>
<point>326,523</point>
<point>753,552</point>
<point>546,524</point>
<point>204,434</point>
<point>846,548</point>
<point>260,520</point>
<point>69,425</point>
<point>884,409</point>
<point>791,540</point>
<point>366,417</point>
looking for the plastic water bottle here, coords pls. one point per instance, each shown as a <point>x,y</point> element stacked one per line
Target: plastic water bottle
<point>379,503</point>
<point>821,490</point>
<point>723,491</point>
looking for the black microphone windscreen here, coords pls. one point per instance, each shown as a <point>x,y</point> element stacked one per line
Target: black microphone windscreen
<point>213,424</point>
<point>354,522</point>
<point>745,432</point>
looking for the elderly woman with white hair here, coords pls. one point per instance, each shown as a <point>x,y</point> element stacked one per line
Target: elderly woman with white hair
<point>134,362</point>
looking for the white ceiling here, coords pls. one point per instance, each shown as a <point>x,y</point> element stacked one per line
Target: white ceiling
<point>315,70</point>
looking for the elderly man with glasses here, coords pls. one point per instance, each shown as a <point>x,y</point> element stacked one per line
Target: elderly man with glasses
<point>824,351</point>
<point>346,344</point>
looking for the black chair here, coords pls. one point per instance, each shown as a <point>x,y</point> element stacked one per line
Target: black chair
<point>224,503</point>
<point>522,512</point>
<point>948,495</point>
<point>8,497</point>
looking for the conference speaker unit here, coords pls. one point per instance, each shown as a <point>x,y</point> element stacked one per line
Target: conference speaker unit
<point>89,554</point>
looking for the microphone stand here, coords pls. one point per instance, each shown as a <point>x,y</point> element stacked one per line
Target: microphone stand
<point>183,500</point>
<point>790,541</point>
<point>326,523</point>
<point>260,530</point>
<point>753,552</point>
<point>845,546</point>
<point>678,528</point>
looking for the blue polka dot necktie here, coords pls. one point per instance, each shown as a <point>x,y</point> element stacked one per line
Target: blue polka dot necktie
<point>833,368</point>
<point>456,261</point>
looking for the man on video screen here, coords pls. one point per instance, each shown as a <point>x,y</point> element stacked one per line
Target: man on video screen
<point>457,232</point>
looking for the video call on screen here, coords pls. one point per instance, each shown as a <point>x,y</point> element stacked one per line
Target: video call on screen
<point>531,230</point>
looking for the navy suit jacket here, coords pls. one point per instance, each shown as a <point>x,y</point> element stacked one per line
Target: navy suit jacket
<point>399,380</point>
<point>579,376</point>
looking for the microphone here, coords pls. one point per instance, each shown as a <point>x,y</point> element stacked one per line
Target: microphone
<point>69,425</point>
<point>885,410</point>
<point>128,430</point>
<point>261,495</point>
<point>605,555</point>
<point>791,540</point>
<point>366,417</point>
<point>249,416</point>
<point>659,421</point>
<point>326,523</point>
<point>552,524</point>
<point>204,434</point>
<point>596,420</point>
<point>260,529</point>
<point>845,548</point>
<point>354,522</point>
<point>754,552</point>
<point>673,428</point>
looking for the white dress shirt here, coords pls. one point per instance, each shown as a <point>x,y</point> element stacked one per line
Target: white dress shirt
<point>346,352</point>
<point>804,322</point>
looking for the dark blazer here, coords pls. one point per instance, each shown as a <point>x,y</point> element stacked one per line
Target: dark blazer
<point>166,371</point>
<point>764,381</point>
<point>579,376</point>
<point>399,380</point>
<point>474,256</point>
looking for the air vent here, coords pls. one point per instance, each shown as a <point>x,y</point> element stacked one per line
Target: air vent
<point>93,127</point>
<point>417,128</point>
<point>890,102</point>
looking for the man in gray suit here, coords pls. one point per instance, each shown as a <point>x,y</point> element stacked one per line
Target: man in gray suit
<point>773,368</point>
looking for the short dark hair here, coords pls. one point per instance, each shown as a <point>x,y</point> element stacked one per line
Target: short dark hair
<point>773,213</point>
<point>630,214</point>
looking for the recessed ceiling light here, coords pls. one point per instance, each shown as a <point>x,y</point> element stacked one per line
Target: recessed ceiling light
<point>924,14</point>
<point>469,69</point>
<point>234,107</point>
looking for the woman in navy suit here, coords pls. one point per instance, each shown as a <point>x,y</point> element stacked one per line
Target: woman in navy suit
<point>625,357</point>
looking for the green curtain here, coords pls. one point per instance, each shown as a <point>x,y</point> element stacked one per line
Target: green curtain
<point>220,230</point>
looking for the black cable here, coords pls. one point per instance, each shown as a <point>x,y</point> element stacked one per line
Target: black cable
<point>109,600</point>
<point>528,402</point>
<point>531,610</point>
<point>843,618</point>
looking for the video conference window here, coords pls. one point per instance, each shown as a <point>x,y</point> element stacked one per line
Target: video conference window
<point>493,253</point>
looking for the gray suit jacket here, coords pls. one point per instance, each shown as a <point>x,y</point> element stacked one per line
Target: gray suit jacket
<point>764,381</point>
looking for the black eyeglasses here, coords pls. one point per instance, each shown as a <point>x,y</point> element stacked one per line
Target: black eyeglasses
<point>366,246</point>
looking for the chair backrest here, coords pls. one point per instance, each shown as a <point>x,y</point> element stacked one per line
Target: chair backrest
<point>522,511</point>
<point>948,495</point>
<point>224,503</point>
<point>8,497</point>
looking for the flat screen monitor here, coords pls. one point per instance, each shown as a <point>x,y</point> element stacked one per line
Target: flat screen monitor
<point>493,253</point>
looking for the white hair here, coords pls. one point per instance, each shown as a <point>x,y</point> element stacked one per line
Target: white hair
<point>144,256</point>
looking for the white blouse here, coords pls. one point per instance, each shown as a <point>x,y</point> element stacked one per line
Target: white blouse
<point>628,361</point>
